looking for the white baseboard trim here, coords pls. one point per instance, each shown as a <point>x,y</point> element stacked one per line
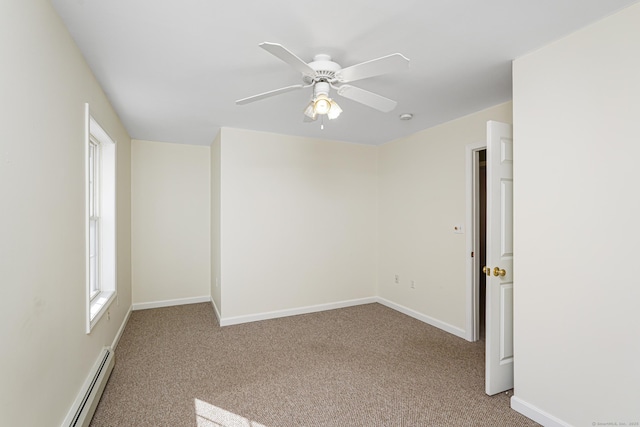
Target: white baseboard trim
<point>332,306</point>
<point>170,303</point>
<point>536,414</point>
<point>294,311</point>
<point>215,309</point>
<point>423,318</point>
<point>116,340</point>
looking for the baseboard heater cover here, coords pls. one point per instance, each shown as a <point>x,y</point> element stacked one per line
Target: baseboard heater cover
<point>86,403</point>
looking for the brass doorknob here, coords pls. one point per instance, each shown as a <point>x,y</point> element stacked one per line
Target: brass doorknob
<point>499,272</point>
<point>486,270</point>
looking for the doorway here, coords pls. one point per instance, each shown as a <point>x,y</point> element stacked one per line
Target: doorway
<point>481,212</point>
<point>476,240</point>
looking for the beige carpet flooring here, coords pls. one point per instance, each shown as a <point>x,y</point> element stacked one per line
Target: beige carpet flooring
<point>359,366</point>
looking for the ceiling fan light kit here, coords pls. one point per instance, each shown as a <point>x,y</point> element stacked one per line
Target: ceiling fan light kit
<point>322,104</point>
<point>323,74</point>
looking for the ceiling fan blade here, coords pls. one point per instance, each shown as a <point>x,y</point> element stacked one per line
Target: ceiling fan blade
<point>268,94</point>
<point>307,119</point>
<point>386,64</point>
<point>367,98</point>
<point>290,58</point>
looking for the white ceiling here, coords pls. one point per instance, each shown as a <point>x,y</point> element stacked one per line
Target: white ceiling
<point>173,69</point>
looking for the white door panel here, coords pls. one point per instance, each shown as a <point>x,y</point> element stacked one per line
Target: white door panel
<point>506,324</point>
<point>499,322</point>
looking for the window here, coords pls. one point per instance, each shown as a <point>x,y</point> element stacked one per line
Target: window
<point>94,218</point>
<point>100,220</point>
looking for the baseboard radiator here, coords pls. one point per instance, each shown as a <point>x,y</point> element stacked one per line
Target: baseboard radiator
<point>85,405</point>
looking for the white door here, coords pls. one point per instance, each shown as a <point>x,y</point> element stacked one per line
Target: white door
<point>499,268</point>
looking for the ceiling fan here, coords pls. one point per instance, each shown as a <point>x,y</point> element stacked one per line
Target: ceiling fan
<point>323,74</point>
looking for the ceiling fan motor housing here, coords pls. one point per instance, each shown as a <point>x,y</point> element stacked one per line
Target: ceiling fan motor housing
<point>324,68</point>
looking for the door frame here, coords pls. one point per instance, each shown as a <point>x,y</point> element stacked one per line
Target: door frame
<point>472,166</point>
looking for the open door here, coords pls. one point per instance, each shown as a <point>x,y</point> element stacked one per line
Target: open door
<point>499,259</point>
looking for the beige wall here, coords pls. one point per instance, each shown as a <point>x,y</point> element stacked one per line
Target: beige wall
<point>323,222</point>
<point>421,198</point>
<point>577,204</point>
<point>44,81</point>
<point>170,215</point>
<point>216,290</point>
<point>298,222</point>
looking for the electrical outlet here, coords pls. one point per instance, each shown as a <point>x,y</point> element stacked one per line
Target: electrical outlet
<point>413,284</point>
<point>397,279</point>
<point>108,315</point>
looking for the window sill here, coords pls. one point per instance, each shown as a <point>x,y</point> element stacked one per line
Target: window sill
<point>99,306</point>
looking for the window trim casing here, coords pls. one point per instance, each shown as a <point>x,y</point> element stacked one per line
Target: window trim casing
<point>97,305</point>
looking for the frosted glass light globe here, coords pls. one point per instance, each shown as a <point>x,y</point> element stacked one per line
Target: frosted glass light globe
<point>322,105</point>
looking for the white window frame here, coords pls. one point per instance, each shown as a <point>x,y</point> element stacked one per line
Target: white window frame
<point>100,211</point>
<point>93,184</point>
